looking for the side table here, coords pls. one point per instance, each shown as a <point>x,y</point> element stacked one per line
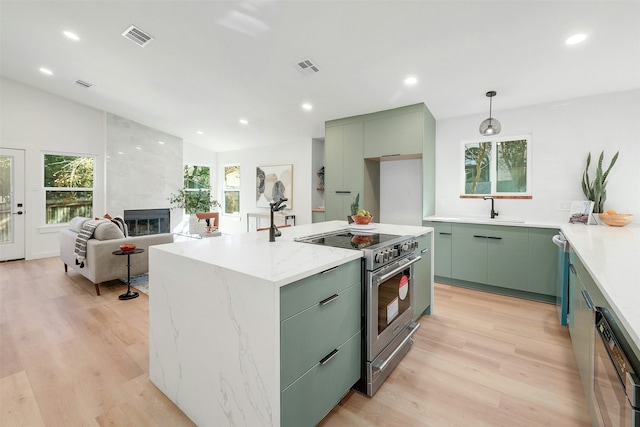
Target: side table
<point>128,294</point>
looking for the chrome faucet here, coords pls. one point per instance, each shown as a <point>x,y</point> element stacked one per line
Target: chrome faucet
<point>275,207</point>
<point>494,213</point>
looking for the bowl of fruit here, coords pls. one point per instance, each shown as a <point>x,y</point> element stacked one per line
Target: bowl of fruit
<point>615,219</point>
<point>362,218</point>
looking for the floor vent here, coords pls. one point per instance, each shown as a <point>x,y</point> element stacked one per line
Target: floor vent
<point>137,36</point>
<point>83,83</point>
<point>306,66</point>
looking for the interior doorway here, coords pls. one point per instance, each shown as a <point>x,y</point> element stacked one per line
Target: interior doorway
<point>12,210</point>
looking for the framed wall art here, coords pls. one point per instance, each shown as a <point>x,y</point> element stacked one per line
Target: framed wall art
<point>274,183</point>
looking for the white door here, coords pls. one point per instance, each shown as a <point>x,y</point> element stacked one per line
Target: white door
<point>12,212</point>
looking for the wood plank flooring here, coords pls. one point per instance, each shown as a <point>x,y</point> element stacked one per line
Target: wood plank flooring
<point>71,358</point>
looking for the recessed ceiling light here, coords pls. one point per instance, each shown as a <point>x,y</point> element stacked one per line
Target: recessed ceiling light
<point>243,121</point>
<point>307,106</point>
<point>161,142</point>
<point>199,132</point>
<point>409,81</point>
<point>46,71</point>
<point>576,38</point>
<point>72,36</point>
<point>138,147</point>
<point>120,152</point>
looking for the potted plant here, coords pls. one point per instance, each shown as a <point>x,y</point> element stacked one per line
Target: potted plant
<point>596,190</point>
<point>193,201</point>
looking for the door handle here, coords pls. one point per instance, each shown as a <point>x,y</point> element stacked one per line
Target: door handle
<point>17,213</point>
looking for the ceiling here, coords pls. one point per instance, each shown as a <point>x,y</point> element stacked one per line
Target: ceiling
<point>212,63</point>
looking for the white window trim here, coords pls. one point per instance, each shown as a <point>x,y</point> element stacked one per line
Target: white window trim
<point>43,200</point>
<point>225,189</point>
<point>492,164</point>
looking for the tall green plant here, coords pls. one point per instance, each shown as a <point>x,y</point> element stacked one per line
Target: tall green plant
<point>596,190</point>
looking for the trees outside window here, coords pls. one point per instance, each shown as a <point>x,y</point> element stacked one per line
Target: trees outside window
<point>68,187</point>
<point>499,166</point>
<point>232,189</point>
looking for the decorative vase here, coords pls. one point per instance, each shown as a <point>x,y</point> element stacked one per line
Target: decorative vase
<point>193,224</point>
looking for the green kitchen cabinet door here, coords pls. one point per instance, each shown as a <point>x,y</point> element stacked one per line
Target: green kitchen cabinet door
<point>469,253</point>
<point>317,216</point>
<point>423,277</point>
<point>401,133</point>
<point>508,257</point>
<point>543,261</point>
<point>306,401</point>
<point>442,238</point>
<point>353,165</point>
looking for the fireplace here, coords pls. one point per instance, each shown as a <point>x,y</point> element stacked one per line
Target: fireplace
<point>141,222</point>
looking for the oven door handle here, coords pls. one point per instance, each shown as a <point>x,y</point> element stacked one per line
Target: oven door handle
<point>381,279</point>
<point>384,364</point>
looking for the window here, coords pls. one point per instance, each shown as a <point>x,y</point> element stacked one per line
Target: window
<point>500,166</point>
<point>232,190</point>
<point>68,187</point>
<point>197,187</point>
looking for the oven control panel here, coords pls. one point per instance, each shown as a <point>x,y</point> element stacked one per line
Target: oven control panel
<point>389,253</point>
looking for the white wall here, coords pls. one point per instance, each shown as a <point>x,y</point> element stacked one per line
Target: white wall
<point>400,192</point>
<point>298,154</point>
<point>563,133</point>
<point>38,122</point>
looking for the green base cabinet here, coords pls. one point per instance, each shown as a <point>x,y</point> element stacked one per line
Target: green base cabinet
<point>441,247</point>
<point>320,343</point>
<point>543,261</point>
<point>423,277</point>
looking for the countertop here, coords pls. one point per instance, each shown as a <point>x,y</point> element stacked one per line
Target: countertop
<point>612,257</point>
<point>283,261</point>
<point>512,222</point>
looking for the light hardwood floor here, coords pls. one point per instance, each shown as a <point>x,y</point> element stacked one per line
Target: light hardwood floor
<point>71,358</point>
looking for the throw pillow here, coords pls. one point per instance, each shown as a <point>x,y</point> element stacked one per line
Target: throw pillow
<point>119,221</point>
<point>107,230</point>
<point>76,223</point>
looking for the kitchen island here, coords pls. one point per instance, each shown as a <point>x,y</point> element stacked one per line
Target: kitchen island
<point>215,319</point>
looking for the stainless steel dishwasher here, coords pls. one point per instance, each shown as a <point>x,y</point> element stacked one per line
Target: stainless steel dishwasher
<point>615,385</point>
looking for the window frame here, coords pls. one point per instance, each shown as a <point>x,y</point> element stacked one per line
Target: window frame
<point>207,188</point>
<point>493,177</point>
<point>230,189</point>
<point>46,189</point>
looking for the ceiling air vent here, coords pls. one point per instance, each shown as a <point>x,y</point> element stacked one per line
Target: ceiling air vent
<point>137,36</point>
<point>83,84</point>
<point>306,66</point>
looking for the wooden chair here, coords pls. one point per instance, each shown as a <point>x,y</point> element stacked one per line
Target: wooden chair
<point>207,216</point>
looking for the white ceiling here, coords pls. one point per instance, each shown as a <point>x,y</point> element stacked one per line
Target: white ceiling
<point>214,62</point>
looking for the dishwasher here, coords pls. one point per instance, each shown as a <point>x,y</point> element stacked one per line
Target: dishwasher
<point>562,278</point>
<point>616,386</point>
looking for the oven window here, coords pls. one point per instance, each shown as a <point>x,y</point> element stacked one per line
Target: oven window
<point>394,298</point>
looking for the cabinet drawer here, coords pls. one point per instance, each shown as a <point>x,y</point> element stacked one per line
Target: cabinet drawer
<point>311,397</point>
<point>492,231</point>
<point>313,333</point>
<point>310,291</point>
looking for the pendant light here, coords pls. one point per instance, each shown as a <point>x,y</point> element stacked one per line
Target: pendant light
<point>490,126</point>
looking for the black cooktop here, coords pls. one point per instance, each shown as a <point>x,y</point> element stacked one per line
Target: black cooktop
<point>349,240</point>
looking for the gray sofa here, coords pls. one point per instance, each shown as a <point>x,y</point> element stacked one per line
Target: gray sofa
<point>100,265</point>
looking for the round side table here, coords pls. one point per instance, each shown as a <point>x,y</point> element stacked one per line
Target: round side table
<point>128,294</point>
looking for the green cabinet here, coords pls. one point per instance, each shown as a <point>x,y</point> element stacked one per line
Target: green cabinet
<point>344,168</point>
<point>320,342</point>
<point>317,216</point>
<point>520,259</point>
<point>441,247</point>
<point>423,277</point>
<point>543,261</point>
<point>399,134</point>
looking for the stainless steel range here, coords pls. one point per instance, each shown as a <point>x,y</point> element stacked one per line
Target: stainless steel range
<point>387,298</point>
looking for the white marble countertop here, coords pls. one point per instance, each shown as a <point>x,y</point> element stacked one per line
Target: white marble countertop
<point>283,261</point>
<point>612,257</point>
<point>512,222</point>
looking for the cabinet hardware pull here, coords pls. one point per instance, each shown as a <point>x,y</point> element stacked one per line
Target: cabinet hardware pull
<point>587,298</point>
<point>328,300</point>
<point>343,191</point>
<point>329,356</point>
<point>477,235</point>
<point>389,155</point>
<point>425,250</point>
<point>330,270</point>
<point>446,234</point>
<point>573,269</point>
<point>494,238</point>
